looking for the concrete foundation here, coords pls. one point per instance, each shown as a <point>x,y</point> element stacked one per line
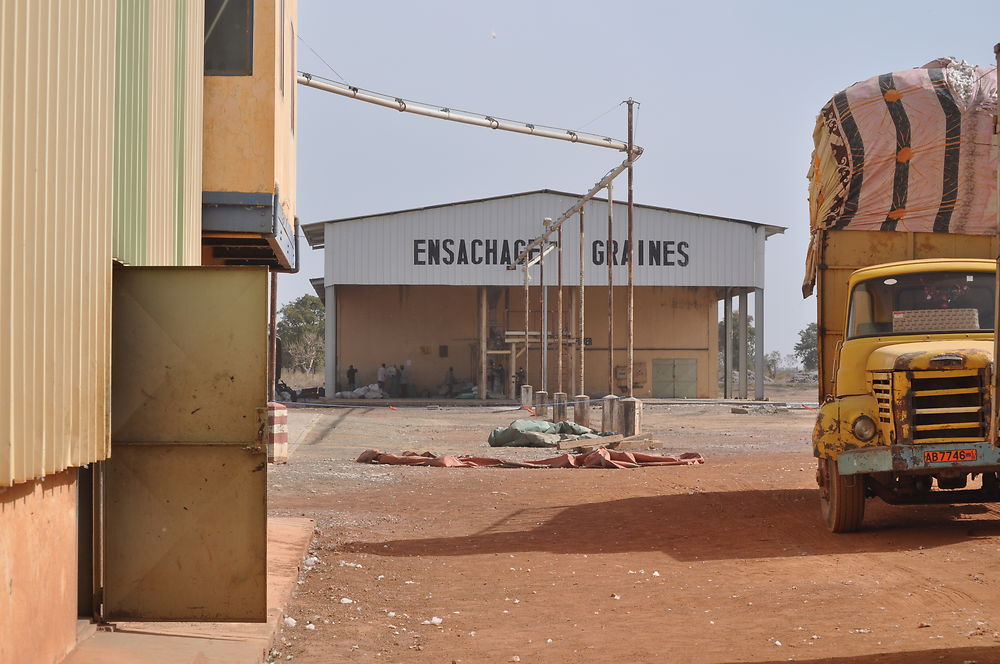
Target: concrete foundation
<point>542,409</point>
<point>610,420</point>
<point>631,416</point>
<point>527,396</point>
<point>581,410</point>
<point>559,409</point>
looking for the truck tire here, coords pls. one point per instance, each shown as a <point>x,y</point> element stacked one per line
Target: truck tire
<point>842,498</point>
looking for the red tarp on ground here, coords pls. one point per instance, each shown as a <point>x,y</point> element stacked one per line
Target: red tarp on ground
<point>602,457</point>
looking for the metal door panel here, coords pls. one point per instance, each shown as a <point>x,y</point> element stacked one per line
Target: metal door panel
<point>185,487</point>
<point>190,354</point>
<point>186,533</point>
<point>686,378</point>
<point>663,379</point>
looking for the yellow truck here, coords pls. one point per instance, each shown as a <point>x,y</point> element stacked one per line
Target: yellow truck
<point>903,207</point>
<point>906,354</point>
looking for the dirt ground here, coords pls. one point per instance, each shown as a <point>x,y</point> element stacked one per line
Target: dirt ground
<point>724,562</point>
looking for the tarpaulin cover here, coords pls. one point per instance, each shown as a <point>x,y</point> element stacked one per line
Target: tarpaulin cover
<point>602,457</point>
<point>906,151</point>
<point>538,433</point>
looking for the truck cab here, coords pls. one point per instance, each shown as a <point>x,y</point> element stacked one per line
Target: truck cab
<point>908,421</point>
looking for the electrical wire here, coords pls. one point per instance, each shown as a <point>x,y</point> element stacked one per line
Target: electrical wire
<point>322,59</point>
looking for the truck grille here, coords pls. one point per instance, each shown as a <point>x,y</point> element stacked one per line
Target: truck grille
<point>947,406</point>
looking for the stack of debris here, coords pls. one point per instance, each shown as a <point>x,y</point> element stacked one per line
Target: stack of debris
<point>540,433</point>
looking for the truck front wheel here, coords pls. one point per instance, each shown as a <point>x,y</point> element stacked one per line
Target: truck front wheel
<point>842,498</point>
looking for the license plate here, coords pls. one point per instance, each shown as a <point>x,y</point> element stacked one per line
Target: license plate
<point>949,456</point>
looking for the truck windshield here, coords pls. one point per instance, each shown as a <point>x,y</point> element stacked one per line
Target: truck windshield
<point>921,303</point>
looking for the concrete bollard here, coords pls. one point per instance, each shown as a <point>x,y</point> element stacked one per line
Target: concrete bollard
<point>560,412</point>
<point>609,414</point>
<point>527,396</point>
<point>277,431</point>
<point>541,407</point>
<point>581,410</point>
<point>631,416</point>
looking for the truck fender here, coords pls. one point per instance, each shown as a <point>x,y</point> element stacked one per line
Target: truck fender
<point>833,432</point>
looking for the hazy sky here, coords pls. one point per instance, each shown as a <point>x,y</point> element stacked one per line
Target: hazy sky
<point>729,93</point>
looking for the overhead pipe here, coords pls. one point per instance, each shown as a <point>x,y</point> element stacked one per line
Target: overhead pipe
<point>404,106</point>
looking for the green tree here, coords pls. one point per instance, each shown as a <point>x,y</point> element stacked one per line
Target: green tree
<point>771,363</point>
<point>806,349</point>
<point>301,325</point>
<point>734,344</point>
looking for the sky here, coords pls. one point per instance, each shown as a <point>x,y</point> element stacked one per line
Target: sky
<point>728,93</point>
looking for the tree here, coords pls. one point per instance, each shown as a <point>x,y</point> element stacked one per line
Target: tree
<point>735,344</point>
<point>301,326</point>
<point>771,363</point>
<point>806,349</point>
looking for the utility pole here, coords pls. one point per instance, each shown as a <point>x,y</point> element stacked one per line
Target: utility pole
<point>609,255</point>
<point>630,352</point>
<point>559,313</point>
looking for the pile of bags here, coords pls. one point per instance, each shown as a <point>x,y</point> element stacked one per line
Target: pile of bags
<point>539,433</point>
<point>372,391</point>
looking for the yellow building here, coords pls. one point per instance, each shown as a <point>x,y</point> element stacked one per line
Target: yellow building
<point>132,373</point>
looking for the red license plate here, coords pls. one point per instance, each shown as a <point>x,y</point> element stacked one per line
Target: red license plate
<point>949,456</point>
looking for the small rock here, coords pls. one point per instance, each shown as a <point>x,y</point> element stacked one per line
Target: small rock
<point>433,621</point>
<point>290,621</point>
<point>310,626</point>
<point>923,624</point>
<point>346,600</point>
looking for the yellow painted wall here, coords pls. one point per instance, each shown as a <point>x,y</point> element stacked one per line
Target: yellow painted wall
<point>249,145</point>
<point>393,324</point>
<point>38,569</point>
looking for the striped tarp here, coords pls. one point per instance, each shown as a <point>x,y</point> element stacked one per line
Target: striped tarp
<point>907,151</point>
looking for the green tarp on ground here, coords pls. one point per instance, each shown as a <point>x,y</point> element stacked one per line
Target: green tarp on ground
<point>538,433</point>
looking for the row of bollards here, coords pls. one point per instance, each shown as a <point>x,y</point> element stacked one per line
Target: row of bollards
<point>620,415</point>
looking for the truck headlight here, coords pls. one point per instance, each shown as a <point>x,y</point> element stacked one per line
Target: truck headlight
<point>864,428</point>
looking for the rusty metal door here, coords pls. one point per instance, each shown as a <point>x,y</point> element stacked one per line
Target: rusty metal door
<point>185,532</point>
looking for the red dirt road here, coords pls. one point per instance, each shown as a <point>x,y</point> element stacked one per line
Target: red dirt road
<point>725,562</point>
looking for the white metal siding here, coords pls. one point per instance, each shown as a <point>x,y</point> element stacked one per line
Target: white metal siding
<point>381,249</point>
<point>56,111</point>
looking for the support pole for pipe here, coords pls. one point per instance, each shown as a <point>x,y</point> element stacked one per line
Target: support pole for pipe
<point>581,389</point>
<point>543,347</point>
<point>559,314</point>
<point>483,336</point>
<point>630,314</point>
<point>728,351</point>
<point>527,322</point>
<point>609,256</point>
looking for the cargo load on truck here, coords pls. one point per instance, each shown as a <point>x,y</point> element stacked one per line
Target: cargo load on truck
<point>907,151</point>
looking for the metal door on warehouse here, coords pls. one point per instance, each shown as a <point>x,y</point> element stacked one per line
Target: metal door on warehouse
<point>675,379</point>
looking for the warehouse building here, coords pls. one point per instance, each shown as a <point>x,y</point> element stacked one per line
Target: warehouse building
<point>433,288</point>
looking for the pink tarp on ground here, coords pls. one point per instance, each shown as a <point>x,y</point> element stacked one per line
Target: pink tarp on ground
<point>602,457</point>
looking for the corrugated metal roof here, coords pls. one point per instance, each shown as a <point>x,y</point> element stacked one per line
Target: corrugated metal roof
<point>314,231</point>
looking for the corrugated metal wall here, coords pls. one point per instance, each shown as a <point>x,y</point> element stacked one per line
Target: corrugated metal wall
<point>100,158</point>
<point>57,70</point>
<point>394,248</point>
<point>158,147</point>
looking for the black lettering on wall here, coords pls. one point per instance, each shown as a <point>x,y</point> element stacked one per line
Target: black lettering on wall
<point>433,252</point>
<point>491,252</point>
<point>419,249</point>
<point>682,252</point>
<point>668,252</point>
<point>463,253</point>
<point>504,253</point>
<point>477,259</point>
<point>653,249</point>
<point>597,252</point>
<point>449,253</point>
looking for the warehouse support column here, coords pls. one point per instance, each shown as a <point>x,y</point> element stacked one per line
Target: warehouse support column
<point>742,346</point>
<point>330,378</point>
<point>483,335</point>
<point>758,342</point>
<point>727,350</point>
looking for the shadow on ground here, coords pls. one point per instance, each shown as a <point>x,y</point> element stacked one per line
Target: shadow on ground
<point>705,526</point>
<point>978,655</point>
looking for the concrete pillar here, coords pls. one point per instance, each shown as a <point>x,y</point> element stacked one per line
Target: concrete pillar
<point>758,333</point>
<point>727,351</point>
<point>542,408</point>
<point>631,416</point>
<point>559,409</point>
<point>330,371</point>
<point>581,410</point>
<point>527,396</point>
<point>742,347</point>
<point>609,413</point>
